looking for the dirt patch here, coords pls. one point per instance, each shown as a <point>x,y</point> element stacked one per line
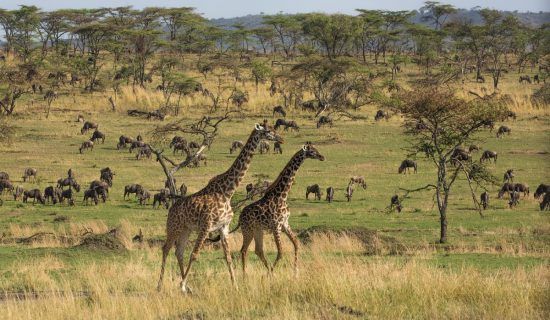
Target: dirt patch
<point>104,241</point>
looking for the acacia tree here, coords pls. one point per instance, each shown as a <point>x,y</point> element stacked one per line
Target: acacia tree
<point>447,123</point>
<point>13,86</point>
<point>333,33</point>
<point>287,29</point>
<point>437,13</point>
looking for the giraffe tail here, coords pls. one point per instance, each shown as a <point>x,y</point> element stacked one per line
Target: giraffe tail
<point>219,237</point>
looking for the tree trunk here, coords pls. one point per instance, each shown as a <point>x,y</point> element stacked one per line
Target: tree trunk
<point>443,222</point>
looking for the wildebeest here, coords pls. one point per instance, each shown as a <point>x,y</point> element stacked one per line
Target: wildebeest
<point>71,183</point>
<point>90,194</point>
<point>484,200</point>
<point>509,175</point>
<point>52,194</point>
<point>324,120</point>
<point>522,187</point>
<point>502,130</point>
<point>287,124</point>
<point>536,78</point>
<point>524,78</point>
<point>460,155</point>
<point>279,123</point>
<point>193,145</point>
<point>349,191</point>
<point>506,187</point>
<point>330,194</point>
<point>136,145</point>
<point>102,192</point>
<point>143,197</point>
<point>514,199</point>
<point>28,173</point>
<point>545,203</point>
<point>88,126</point>
<point>381,114</point>
<point>395,203</point>
<point>139,137</point>
<point>98,135</point>
<point>180,146</point>
<point>280,110</point>
<point>107,175</point>
<point>4,176</point>
<point>406,165</point>
<point>67,194</point>
<point>236,145</point>
<point>183,189</point>
<point>277,147</point>
<point>122,141</point>
<point>161,198</point>
<point>35,194</point>
<point>312,105</point>
<point>488,155</point>
<point>360,180</point>
<point>264,147</point>
<point>198,159</point>
<point>177,140</point>
<point>96,184</point>
<point>132,188</point>
<point>17,193</point>
<point>315,189</point>
<point>144,152</point>
<point>5,185</point>
<point>541,190</point>
<point>86,145</point>
<point>488,123</point>
<point>473,148</point>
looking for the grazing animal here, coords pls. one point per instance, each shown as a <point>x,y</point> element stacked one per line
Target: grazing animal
<point>395,203</point>
<point>35,195</point>
<point>280,110</point>
<point>490,124</point>
<point>52,194</point>
<point>132,188</point>
<point>209,210</point>
<point>28,173</point>
<point>70,182</point>
<point>97,135</point>
<point>277,148</point>
<point>4,176</point>
<point>144,152</point>
<point>67,194</point>
<point>181,146</point>
<point>473,148</point>
<point>102,192</point>
<point>324,121</point>
<point>360,180</point>
<point>123,141</point>
<point>5,185</point>
<point>522,187</point>
<point>279,123</point>
<point>524,78</point>
<point>536,78</point>
<point>198,159</point>
<point>107,175</point>
<point>488,155</point>
<point>514,199</point>
<point>509,175</point>
<point>88,126</point>
<point>194,145</point>
<point>381,114</point>
<point>506,187</point>
<point>545,203</point>
<point>271,213</point>
<point>99,184</point>
<point>406,165</point>
<point>90,194</point>
<point>161,198</point>
<point>460,155</point>
<point>177,140</point>
<point>330,194</point>
<point>349,191</point>
<point>144,197</point>
<point>139,137</point>
<point>502,130</point>
<point>264,147</point>
<point>484,200</point>
<point>136,145</point>
<point>287,124</point>
<point>86,145</point>
<point>17,192</point>
<point>541,190</point>
<point>315,189</point>
<point>237,144</point>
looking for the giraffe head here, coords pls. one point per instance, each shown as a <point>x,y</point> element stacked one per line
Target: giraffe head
<point>263,132</point>
<point>312,153</point>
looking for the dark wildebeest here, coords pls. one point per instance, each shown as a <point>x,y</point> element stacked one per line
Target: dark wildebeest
<point>292,125</point>
<point>485,200</point>
<point>90,194</point>
<point>28,173</point>
<point>88,126</point>
<point>198,159</point>
<point>421,125</point>
<point>524,78</point>
<point>264,147</point>
<point>177,140</point>
<point>324,120</point>
<point>507,187</point>
<point>86,145</point>
<point>194,145</point>
<point>349,192</point>
<point>488,155</point>
<point>502,130</point>
<point>542,189</point>
<point>312,105</point>
<point>490,124</point>
<point>236,145</point>
<point>144,197</point>
<point>381,114</point>
<point>315,189</point>
<point>279,123</point>
<point>181,146</point>
<point>102,192</point>
<point>132,188</point>
<point>360,180</point>
<point>395,203</point>
<point>4,176</point>
<point>136,145</point>
<point>545,204</point>
<point>514,199</point>
<point>71,183</point>
<point>473,148</point>
<point>330,194</point>
<point>406,165</point>
<point>139,137</point>
<point>536,78</point>
<point>161,198</point>
<point>280,110</point>
<point>35,194</point>
<point>509,175</point>
<point>17,192</point>
<point>460,155</point>
<point>122,141</point>
<point>99,184</point>
<point>107,175</point>
<point>183,189</point>
<point>480,79</point>
<point>5,185</point>
<point>70,173</point>
<point>144,152</point>
<point>52,194</point>
<point>277,147</point>
<point>98,135</point>
<point>67,194</point>
<point>522,187</point>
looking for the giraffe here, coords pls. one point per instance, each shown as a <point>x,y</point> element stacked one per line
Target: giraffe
<point>271,211</point>
<point>209,209</point>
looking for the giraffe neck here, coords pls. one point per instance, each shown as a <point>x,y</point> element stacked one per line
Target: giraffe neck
<point>281,187</point>
<point>228,182</point>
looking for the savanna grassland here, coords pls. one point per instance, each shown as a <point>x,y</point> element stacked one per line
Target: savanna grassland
<point>386,265</point>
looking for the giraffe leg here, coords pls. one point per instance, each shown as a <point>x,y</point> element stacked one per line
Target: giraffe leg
<point>277,236</point>
<point>170,239</point>
<point>225,245</point>
<point>247,239</point>
<point>180,247</point>
<point>259,247</point>
<point>288,231</point>
<point>198,244</point>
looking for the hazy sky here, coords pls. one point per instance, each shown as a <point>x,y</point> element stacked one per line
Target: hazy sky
<point>232,8</point>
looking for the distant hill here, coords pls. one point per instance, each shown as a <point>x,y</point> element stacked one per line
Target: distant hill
<point>533,19</point>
